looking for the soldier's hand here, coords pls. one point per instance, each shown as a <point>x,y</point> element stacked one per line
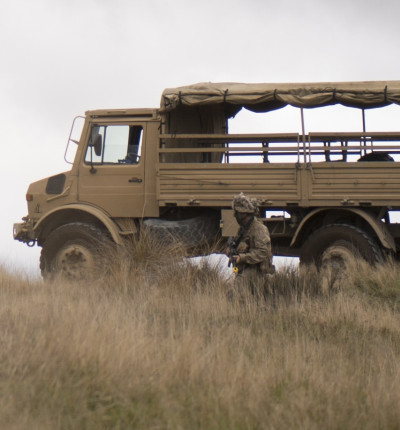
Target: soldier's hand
<point>237,258</point>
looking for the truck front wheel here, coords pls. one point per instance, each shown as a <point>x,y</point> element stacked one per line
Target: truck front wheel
<point>72,251</point>
<point>337,244</point>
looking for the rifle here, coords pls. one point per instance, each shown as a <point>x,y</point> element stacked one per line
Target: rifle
<point>232,253</point>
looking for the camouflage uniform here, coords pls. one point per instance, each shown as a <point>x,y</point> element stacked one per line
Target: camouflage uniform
<point>253,245</point>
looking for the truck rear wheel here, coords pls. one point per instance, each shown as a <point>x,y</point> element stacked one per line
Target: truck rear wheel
<point>337,244</point>
<point>72,251</point>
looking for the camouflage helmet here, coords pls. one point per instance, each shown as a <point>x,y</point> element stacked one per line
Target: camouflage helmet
<point>244,204</point>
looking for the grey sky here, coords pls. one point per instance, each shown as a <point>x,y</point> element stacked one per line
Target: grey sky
<point>62,57</point>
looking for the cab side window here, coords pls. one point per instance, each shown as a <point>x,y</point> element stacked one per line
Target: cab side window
<point>114,144</point>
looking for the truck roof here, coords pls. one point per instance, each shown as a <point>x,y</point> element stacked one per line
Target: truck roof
<point>141,112</point>
<point>263,97</point>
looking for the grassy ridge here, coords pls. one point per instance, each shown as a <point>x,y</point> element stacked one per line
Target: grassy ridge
<point>156,344</point>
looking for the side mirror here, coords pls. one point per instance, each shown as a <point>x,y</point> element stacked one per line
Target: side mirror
<point>96,142</point>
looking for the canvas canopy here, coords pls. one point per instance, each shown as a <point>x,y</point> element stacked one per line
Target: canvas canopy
<point>206,107</point>
<point>267,97</point>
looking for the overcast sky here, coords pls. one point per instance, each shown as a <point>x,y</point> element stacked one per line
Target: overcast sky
<point>60,58</point>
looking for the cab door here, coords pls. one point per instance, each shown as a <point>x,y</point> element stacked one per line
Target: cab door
<point>111,172</point>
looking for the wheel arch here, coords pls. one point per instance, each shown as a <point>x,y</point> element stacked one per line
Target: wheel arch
<point>76,213</point>
<point>321,216</point>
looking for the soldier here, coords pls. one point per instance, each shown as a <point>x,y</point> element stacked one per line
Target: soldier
<point>252,251</point>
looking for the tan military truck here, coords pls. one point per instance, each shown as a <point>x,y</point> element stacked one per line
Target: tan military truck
<point>176,169</point>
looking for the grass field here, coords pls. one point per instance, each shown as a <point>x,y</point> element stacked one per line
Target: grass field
<point>157,345</point>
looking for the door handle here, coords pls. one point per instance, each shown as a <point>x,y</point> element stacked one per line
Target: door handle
<point>137,180</point>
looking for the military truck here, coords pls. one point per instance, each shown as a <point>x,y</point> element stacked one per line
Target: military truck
<point>324,196</point>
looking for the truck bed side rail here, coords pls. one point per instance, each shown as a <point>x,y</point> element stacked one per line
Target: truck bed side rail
<point>352,146</point>
<point>278,147</point>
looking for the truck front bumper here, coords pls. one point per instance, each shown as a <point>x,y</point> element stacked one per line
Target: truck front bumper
<point>23,231</point>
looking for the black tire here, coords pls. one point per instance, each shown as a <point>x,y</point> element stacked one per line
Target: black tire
<point>192,233</point>
<point>338,242</point>
<point>73,251</point>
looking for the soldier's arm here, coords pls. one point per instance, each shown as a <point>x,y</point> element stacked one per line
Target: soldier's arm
<point>261,250</point>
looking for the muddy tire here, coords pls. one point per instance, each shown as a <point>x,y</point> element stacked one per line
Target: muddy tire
<point>337,244</point>
<point>335,249</point>
<point>73,251</point>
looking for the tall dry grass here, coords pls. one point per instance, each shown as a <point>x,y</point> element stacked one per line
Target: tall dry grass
<point>156,344</point>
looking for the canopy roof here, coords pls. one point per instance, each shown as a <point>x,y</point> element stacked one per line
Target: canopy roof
<point>267,97</point>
